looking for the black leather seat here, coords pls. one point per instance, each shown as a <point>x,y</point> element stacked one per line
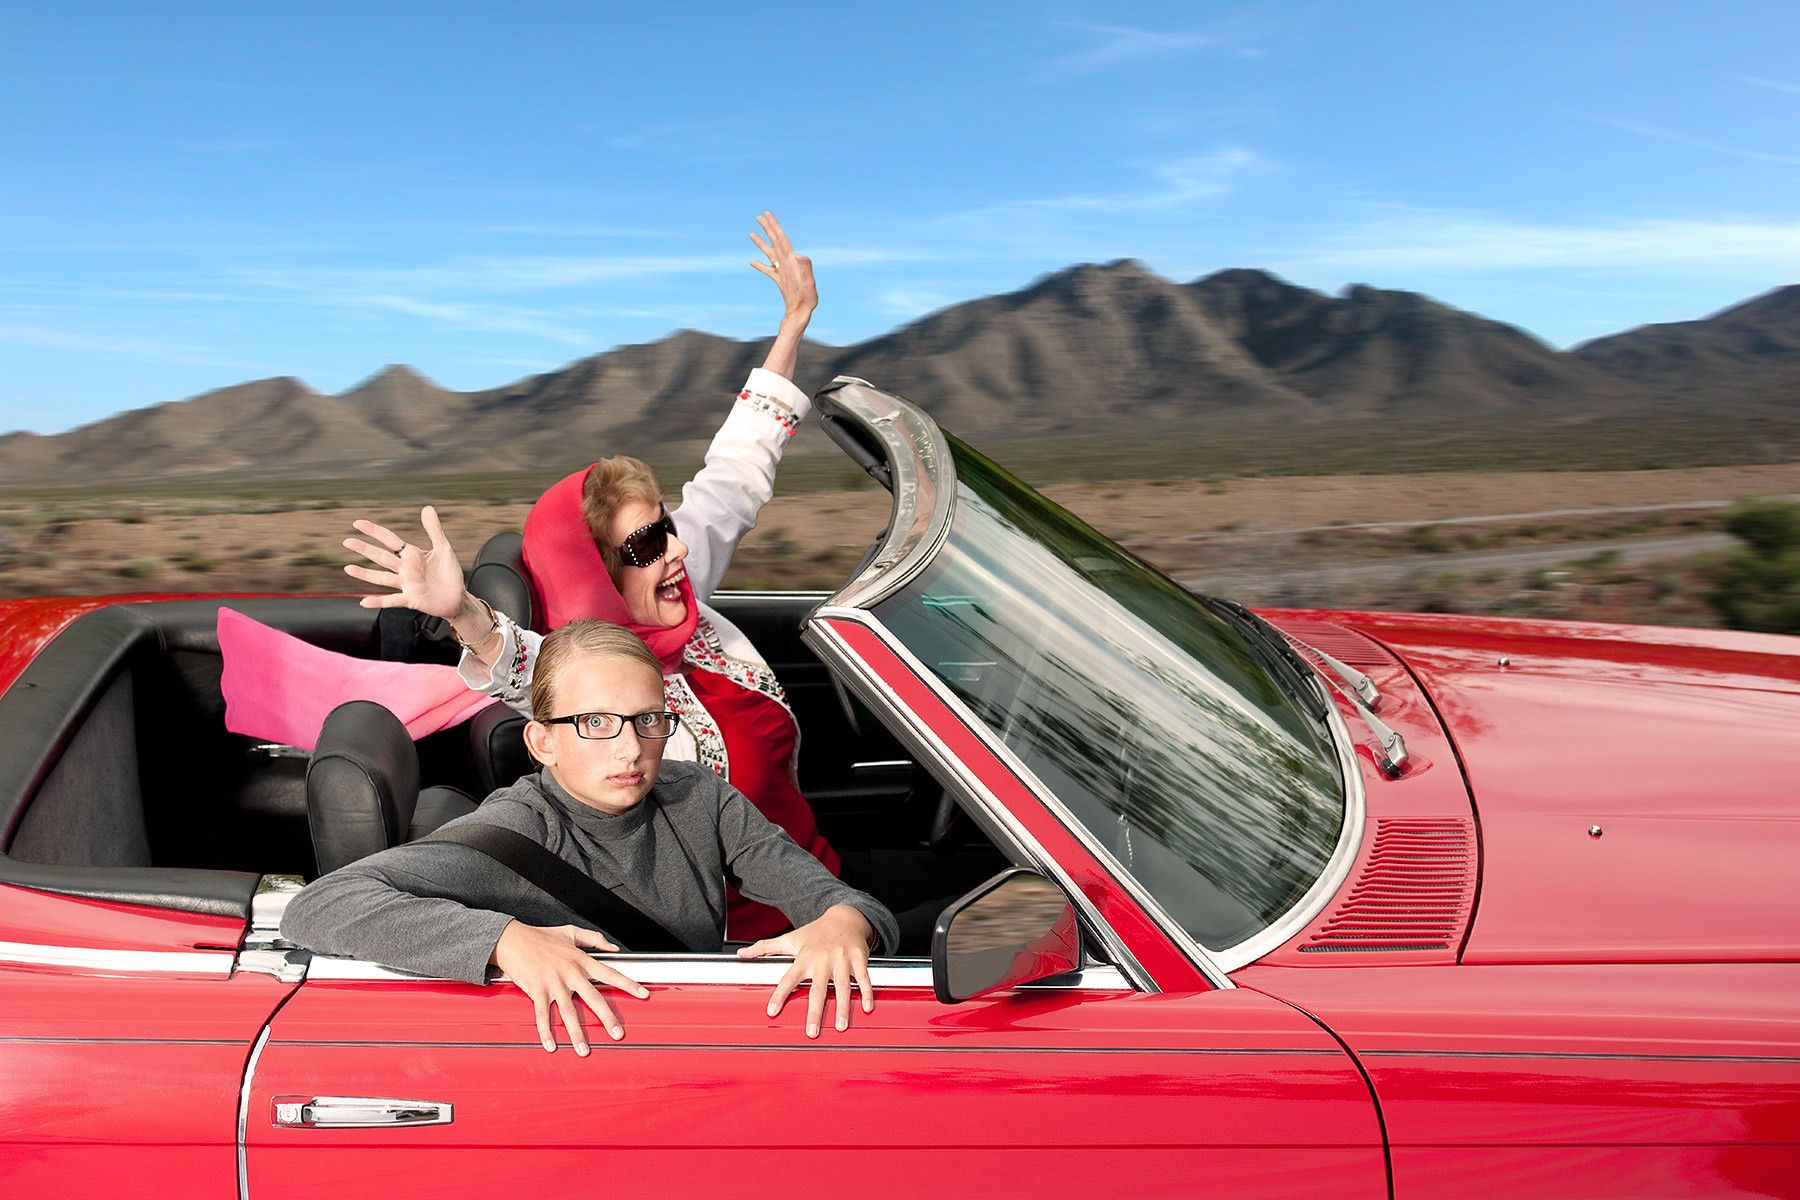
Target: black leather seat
<point>362,787</point>
<point>500,578</point>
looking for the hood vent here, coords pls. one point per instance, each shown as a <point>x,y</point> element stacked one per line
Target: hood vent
<point>1414,891</point>
<point>1345,645</point>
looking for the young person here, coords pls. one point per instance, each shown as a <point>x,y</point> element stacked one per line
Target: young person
<point>662,835</point>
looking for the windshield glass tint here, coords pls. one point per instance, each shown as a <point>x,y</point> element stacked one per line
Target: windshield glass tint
<point>1155,722</point>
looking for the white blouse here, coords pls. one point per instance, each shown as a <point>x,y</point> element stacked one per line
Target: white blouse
<point>718,507</point>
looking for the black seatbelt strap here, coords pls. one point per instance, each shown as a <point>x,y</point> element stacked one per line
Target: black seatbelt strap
<point>564,884</point>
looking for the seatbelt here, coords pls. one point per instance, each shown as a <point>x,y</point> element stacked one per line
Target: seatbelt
<point>563,883</point>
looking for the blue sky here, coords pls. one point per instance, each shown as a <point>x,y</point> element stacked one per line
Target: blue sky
<point>195,194</point>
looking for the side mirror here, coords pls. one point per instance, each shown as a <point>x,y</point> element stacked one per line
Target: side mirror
<point>1016,927</point>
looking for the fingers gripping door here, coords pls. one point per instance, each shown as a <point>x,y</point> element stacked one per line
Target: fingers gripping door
<point>1014,1094</point>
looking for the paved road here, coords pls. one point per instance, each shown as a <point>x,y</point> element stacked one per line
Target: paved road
<point>1629,550</point>
<point>1489,519</point>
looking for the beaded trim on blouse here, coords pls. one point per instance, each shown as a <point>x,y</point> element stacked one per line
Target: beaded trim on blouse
<point>780,413</point>
<point>709,743</point>
<point>706,652</point>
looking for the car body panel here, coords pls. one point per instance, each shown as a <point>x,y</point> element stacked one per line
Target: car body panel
<point>1685,753</point>
<point>124,1080</point>
<point>1024,1093</point>
<point>1599,1077</point>
<point>77,922</point>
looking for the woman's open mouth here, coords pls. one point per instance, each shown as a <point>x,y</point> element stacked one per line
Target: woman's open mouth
<point>670,589</point>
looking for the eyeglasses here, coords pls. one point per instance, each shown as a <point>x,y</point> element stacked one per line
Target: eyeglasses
<point>644,546</point>
<point>603,725</point>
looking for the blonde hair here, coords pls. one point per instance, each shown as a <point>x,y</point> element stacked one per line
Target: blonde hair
<point>579,639</point>
<point>611,484</point>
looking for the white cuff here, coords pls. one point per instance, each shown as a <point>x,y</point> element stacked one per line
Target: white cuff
<point>768,386</point>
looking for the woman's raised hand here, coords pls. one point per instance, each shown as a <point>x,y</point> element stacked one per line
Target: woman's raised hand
<point>792,273</point>
<point>430,581</point>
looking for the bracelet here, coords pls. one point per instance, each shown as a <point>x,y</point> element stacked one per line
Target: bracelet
<point>492,629</point>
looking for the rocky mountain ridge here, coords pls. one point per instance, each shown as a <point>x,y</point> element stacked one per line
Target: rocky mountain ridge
<point>1090,349</point>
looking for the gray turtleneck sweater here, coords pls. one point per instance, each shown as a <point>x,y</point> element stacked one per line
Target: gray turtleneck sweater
<point>437,908</point>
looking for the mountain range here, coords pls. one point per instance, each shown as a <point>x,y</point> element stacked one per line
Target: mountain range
<point>1110,348</point>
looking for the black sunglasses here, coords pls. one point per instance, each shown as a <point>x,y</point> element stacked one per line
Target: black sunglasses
<point>648,544</point>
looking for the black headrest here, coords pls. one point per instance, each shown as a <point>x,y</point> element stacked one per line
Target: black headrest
<point>497,744</point>
<point>362,784</point>
<point>500,578</point>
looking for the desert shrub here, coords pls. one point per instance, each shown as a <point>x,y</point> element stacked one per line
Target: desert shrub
<point>1758,587</point>
<point>1429,539</point>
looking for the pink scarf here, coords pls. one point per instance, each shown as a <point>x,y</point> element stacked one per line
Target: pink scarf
<point>280,689</point>
<point>570,576</point>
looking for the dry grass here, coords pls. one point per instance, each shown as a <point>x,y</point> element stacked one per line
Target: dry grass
<point>812,539</point>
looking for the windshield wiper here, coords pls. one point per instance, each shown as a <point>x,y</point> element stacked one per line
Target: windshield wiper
<point>1299,679</point>
<point>1393,747</point>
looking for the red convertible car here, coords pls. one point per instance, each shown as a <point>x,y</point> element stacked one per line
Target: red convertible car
<point>1302,904</point>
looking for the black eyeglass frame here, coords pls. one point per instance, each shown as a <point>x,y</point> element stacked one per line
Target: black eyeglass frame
<point>640,542</point>
<point>575,719</point>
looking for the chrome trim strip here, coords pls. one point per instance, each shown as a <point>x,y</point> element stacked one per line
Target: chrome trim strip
<point>850,1046</point>
<point>923,477</point>
<point>243,1114</point>
<point>288,965</point>
<point>718,969</point>
<point>1337,867</point>
<point>120,962</point>
<point>995,819</point>
<point>268,906</point>
<point>1595,1056</point>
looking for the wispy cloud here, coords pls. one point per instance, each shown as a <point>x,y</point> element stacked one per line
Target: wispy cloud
<point>1774,85</point>
<point>1114,45</point>
<point>1671,135</point>
<point>1170,185</point>
<point>226,147</point>
<point>476,317</point>
<point>82,343</point>
<point>554,229</point>
<point>911,302</point>
<point>1460,242</point>
<point>533,273</point>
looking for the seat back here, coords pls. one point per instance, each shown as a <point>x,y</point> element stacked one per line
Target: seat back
<point>500,578</point>
<point>362,784</point>
<point>362,787</point>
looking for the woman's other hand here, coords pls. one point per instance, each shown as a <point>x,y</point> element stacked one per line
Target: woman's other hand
<point>832,952</point>
<point>430,581</point>
<point>792,273</point>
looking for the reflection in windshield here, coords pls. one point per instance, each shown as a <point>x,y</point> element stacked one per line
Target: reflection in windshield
<point>1146,714</point>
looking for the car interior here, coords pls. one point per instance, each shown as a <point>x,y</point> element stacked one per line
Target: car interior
<point>119,780</point>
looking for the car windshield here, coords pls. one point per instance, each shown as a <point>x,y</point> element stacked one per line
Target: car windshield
<point>1155,721</point>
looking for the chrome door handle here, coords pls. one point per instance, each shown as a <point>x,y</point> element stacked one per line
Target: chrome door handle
<point>357,1112</point>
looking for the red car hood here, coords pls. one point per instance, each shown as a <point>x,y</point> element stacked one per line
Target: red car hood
<point>1637,789</point>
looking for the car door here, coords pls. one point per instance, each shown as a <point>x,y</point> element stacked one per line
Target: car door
<point>1085,1084</point>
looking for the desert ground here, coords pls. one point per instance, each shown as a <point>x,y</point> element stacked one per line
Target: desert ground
<point>1622,545</point>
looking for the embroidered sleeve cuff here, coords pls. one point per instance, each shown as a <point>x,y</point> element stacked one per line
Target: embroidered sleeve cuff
<point>777,397</point>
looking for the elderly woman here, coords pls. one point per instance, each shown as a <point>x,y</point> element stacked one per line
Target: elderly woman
<point>600,543</point>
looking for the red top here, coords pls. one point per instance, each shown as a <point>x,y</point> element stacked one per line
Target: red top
<point>760,738</point>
